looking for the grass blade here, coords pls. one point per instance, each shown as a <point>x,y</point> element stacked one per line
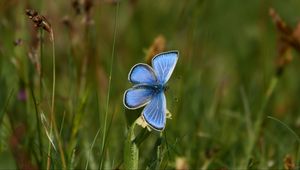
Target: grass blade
<point>109,86</point>
<point>286,126</point>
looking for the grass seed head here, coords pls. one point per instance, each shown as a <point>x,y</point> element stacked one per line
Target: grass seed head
<point>289,163</point>
<point>288,38</point>
<point>158,46</point>
<point>39,20</point>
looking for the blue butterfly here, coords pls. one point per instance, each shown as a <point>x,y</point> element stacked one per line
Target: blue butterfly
<point>149,84</point>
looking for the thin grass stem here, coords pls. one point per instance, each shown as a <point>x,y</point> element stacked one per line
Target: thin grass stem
<point>90,151</point>
<point>38,126</point>
<point>53,119</point>
<point>260,118</point>
<point>6,105</point>
<point>41,62</point>
<point>286,126</point>
<point>109,85</point>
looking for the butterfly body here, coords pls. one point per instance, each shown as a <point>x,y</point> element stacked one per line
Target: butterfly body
<point>158,88</point>
<point>149,84</point>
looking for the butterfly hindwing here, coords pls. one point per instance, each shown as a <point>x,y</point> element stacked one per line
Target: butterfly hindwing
<point>155,112</point>
<point>164,64</point>
<point>138,96</point>
<point>142,73</point>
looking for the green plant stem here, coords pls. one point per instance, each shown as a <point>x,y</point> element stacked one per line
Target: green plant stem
<point>41,62</point>
<point>3,110</point>
<point>131,150</point>
<point>91,149</point>
<point>49,151</point>
<point>260,118</point>
<point>290,130</point>
<point>60,147</point>
<point>38,126</point>
<point>53,121</point>
<point>109,85</point>
<point>287,127</point>
<point>53,80</point>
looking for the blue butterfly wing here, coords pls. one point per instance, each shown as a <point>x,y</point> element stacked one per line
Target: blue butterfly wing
<point>138,96</point>
<point>155,112</point>
<point>142,74</point>
<point>164,64</point>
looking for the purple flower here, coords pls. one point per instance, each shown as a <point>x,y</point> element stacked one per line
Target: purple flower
<point>22,96</point>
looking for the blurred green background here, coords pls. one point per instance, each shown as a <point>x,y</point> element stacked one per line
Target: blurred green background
<point>227,60</point>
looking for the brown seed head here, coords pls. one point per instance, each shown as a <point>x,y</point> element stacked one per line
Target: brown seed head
<point>76,6</point>
<point>289,163</point>
<point>158,46</point>
<point>39,20</point>
<point>88,5</point>
<point>288,38</point>
<point>31,13</point>
<point>280,24</point>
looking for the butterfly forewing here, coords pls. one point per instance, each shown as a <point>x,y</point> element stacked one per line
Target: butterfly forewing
<point>164,64</point>
<point>142,74</point>
<point>155,112</point>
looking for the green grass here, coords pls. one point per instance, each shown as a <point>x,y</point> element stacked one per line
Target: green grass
<point>229,109</point>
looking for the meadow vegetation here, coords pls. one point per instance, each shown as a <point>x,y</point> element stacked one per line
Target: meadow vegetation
<point>233,95</point>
